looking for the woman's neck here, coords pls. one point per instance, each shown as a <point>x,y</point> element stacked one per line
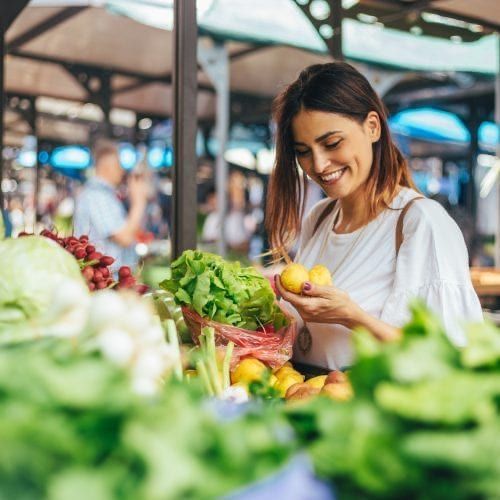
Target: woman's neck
<point>355,212</point>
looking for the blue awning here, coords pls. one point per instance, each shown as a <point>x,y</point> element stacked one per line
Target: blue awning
<point>430,124</point>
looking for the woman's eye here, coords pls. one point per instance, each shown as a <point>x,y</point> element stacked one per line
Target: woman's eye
<point>333,145</point>
<point>300,153</point>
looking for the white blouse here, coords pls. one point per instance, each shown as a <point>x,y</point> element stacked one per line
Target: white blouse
<point>432,264</point>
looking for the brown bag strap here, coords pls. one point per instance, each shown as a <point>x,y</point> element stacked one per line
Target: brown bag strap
<point>323,215</point>
<point>399,225</point>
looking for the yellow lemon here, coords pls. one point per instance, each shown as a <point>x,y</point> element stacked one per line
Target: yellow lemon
<point>320,275</point>
<point>273,380</point>
<point>287,364</point>
<point>317,382</point>
<point>248,370</point>
<point>286,382</point>
<point>293,277</point>
<point>284,371</point>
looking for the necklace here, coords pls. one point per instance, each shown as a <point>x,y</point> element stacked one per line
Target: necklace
<point>304,339</point>
<point>349,250</point>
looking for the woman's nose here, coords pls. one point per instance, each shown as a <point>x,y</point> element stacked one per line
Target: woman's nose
<point>320,162</point>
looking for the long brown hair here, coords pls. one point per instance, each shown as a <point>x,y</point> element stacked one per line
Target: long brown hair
<point>335,88</point>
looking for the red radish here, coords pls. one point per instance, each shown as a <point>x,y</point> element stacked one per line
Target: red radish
<point>88,273</point>
<point>93,256</point>
<point>90,249</point>
<point>124,272</point>
<point>91,286</point>
<point>79,253</point>
<point>127,282</point>
<point>269,328</point>
<point>98,275</point>
<point>101,285</point>
<point>107,260</point>
<point>104,272</point>
<point>141,288</point>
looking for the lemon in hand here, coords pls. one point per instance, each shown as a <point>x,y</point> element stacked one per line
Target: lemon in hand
<point>320,275</point>
<point>293,277</point>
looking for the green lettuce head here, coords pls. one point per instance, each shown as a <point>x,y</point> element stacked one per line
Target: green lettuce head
<point>31,268</point>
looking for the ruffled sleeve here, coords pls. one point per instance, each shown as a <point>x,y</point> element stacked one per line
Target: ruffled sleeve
<point>433,265</point>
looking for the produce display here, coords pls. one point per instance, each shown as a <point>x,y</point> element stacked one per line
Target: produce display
<point>118,395</point>
<point>238,303</point>
<point>95,267</point>
<point>295,275</point>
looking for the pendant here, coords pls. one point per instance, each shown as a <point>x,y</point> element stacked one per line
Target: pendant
<point>304,340</point>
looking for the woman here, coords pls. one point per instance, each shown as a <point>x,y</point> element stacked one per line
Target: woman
<point>333,126</point>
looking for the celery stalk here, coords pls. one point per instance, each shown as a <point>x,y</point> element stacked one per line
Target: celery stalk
<point>173,340</point>
<point>203,374</point>
<point>226,379</point>
<point>213,369</point>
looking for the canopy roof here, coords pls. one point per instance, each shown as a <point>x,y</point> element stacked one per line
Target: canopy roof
<point>268,44</point>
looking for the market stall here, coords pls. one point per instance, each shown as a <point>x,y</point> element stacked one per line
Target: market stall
<point>116,395</point>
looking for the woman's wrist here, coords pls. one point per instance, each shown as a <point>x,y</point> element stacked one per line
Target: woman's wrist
<point>378,328</point>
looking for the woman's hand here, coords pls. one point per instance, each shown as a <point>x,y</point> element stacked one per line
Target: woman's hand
<point>327,304</point>
<point>323,304</point>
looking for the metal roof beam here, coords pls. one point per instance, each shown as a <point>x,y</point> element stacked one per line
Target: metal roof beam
<point>9,10</point>
<point>244,52</point>
<point>446,93</point>
<point>145,78</point>
<point>44,26</point>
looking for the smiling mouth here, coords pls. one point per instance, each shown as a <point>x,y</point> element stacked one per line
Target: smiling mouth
<point>333,176</point>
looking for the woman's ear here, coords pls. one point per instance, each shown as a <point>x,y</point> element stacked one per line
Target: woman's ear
<point>372,126</point>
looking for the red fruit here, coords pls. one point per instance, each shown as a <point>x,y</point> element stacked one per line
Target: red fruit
<point>127,282</point>
<point>107,260</point>
<point>88,273</point>
<point>83,238</point>
<point>93,256</point>
<point>91,286</point>
<point>79,253</point>
<point>104,272</point>
<point>269,328</point>
<point>72,239</point>
<point>90,249</point>
<point>97,276</point>
<point>124,272</point>
<point>101,285</point>
<point>141,288</point>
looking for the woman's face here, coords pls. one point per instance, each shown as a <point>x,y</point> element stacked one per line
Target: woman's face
<point>335,151</point>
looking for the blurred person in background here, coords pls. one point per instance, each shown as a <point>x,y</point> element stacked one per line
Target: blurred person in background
<point>101,214</point>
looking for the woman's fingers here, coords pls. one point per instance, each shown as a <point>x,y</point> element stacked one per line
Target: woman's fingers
<point>293,298</point>
<point>313,290</point>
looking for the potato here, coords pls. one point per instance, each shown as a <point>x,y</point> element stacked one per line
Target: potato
<point>317,382</point>
<point>301,391</point>
<point>336,377</point>
<point>338,391</point>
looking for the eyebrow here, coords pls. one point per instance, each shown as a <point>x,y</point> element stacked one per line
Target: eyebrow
<point>321,137</point>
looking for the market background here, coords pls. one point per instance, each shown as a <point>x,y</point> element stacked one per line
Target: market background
<point>78,70</point>
<point>123,394</point>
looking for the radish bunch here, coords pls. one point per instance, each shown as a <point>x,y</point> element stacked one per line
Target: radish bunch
<point>94,265</point>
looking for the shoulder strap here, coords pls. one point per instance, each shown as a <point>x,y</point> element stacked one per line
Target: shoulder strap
<point>323,215</point>
<point>399,225</point>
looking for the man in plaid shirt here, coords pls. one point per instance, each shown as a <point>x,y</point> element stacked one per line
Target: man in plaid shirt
<point>99,212</point>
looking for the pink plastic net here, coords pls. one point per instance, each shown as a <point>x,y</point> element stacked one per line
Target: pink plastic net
<point>272,348</point>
